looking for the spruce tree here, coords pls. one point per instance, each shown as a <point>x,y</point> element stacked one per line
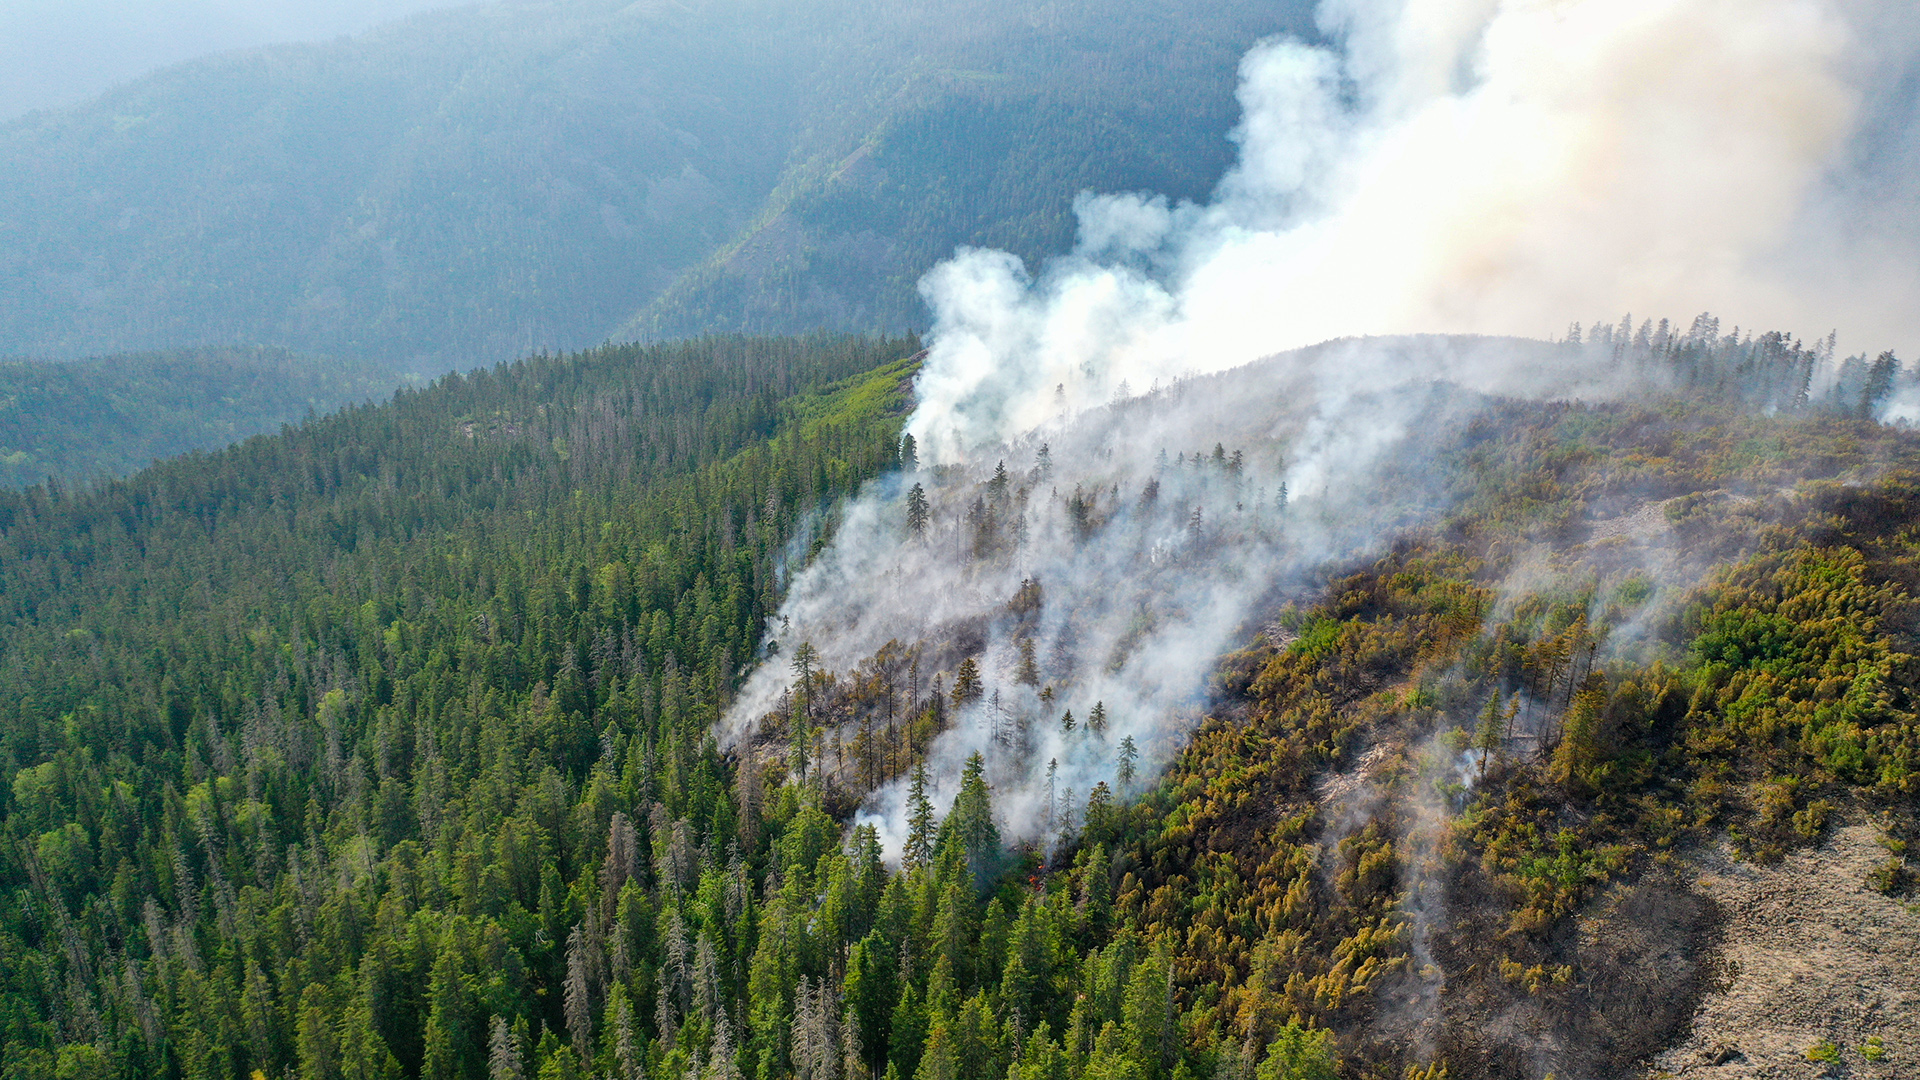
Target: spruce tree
<point>1028,672</point>
<point>503,1055</point>
<point>966,683</point>
<point>969,825</point>
<point>920,826</point>
<point>917,513</point>
<point>1491,735</point>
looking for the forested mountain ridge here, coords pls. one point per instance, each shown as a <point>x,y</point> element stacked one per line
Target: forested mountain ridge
<point>472,185</point>
<point>141,606</point>
<point>78,421</point>
<point>384,746</point>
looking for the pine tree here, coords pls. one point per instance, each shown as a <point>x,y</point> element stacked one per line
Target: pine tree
<point>503,1053</point>
<point>1149,1016</point>
<point>1123,771</point>
<point>986,529</point>
<point>970,822</point>
<point>1298,1053</point>
<point>1097,719</point>
<point>804,659</point>
<point>317,1041</point>
<point>1028,671</point>
<point>364,1055</point>
<point>446,1031</point>
<point>1062,658</point>
<point>920,825</point>
<point>799,742</point>
<point>1881,375</point>
<point>576,995</point>
<point>626,1051</point>
<point>967,687</point>
<point>909,455</point>
<point>999,488</point>
<point>1028,598</point>
<point>1053,773</point>
<point>1098,802</point>
<point>917,512</point>
<point>938,1060</point>
<point>1490,736</point>
<point>1080,513</point>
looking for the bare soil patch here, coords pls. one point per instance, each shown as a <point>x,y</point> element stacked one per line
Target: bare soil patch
<point>1810,956</point>
<point>1641,960</point>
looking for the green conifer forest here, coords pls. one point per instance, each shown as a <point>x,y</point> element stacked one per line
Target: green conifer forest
<point>384,746</point>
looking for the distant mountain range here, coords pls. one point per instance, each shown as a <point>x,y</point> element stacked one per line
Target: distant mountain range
<point>472,185</point>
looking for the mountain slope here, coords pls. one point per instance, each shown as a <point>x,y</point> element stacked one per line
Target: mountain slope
<point>472,185</point>
<point>626,514</point>
<point>83,420</point>
<point>386,746</point>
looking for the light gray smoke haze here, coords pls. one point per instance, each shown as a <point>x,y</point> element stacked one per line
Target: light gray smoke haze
<point>1157,532</point>
<point>1492,167</point>
<point>59,52</point>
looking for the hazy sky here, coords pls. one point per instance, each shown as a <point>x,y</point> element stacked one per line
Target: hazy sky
<point>58,52</point>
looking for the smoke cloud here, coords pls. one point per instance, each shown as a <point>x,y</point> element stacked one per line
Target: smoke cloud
<point>1107,558</point>
<point>1460,167</point>
<point>1465,166</point>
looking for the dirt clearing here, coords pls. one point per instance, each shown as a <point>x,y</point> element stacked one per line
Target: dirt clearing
<point>1812,959</point>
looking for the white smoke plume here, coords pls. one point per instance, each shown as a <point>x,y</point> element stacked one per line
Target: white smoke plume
<point>1463,166</point>
<point>1485,167</point>
<point>1158,529</point>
